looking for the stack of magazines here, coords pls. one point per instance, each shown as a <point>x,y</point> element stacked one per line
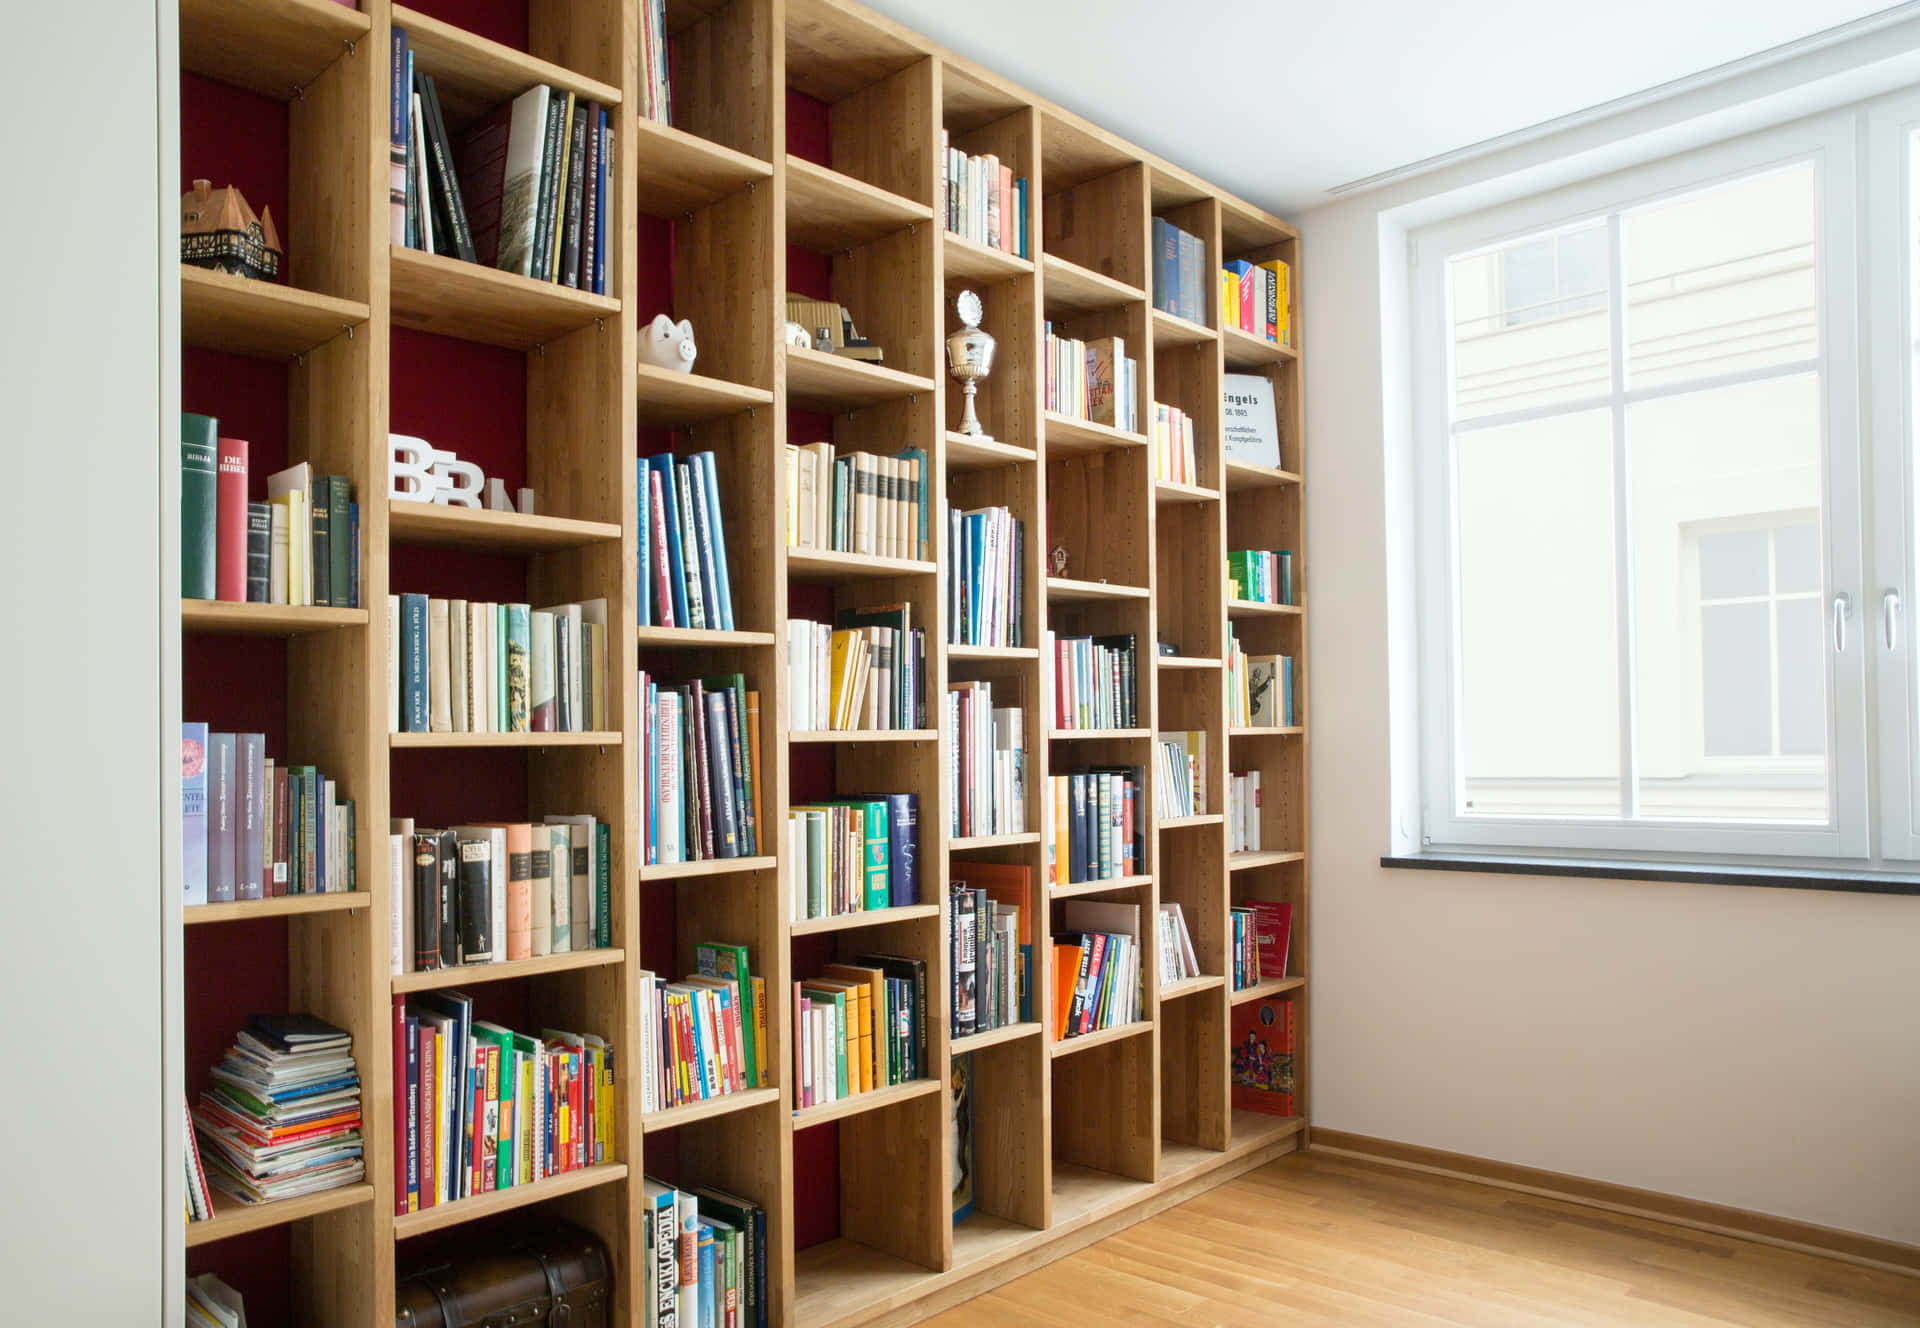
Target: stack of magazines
<point>281,1117</point>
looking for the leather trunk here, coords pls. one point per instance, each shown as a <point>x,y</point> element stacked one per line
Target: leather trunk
<point>551,1274</point>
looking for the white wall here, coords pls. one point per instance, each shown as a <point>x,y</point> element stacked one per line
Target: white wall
<point>1753,1047</point>
<point>80,542</point>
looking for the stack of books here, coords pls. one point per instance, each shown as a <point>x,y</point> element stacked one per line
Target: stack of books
<point>1181,788</point>
<point>1259,688</point>
<point>701,792</point>
<point>854,856</point>
<point>1096,825</point>
<point>300,547</point>
<point>656,62</point>
<point>1173,451</point>
<point>211,1303</point>
<point>867,671</point>
<point>704,1036</point>
<point>1178,962</point>
<point>1093,682</point>
<point>985,202</point>
<point>705,1260</point>
<point>490,894</point>
<point>526,189</point>
<point>468,666</point>
<point>282,1115</point>
<point>254,828</point>
<point>1096,968</point>
<point>986,592</point>
<point>987,770</point>
<point>1243,811</point>
<point>1093,381</point>
<point>1254,297</point>
<point>1261,576</point>
<point>684,580</point>
<point>1179,272</point>
<point>478,1107</point>
<point>858,503</point>
<point>858,1027</point>
<point>1261,933</point>
<point>990,927</point>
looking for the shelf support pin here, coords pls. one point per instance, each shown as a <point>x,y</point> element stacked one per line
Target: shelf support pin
<point>349,327</point>
<point>299,92</point>
<point>600,324</point>
<point>299,359</point>
<point>353,47</point>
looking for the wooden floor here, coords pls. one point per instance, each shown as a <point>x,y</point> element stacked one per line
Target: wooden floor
<point>1316,1239</point>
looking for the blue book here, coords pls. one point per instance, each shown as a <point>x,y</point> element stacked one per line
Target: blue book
<point>413,664</point>
<point>903,848</point>
<point>193,812</point>
<point>705,539</point>
<point>606,202</point>
<point>709,1307</point>
<point>723,584</point>
<point>676,566</point>
<point>976,576</point>
<point>643,494</point>
<point>1190,303</point>
<point>353,556</point>
<point>1166,253</point>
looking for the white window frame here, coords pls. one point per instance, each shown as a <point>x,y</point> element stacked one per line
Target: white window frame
<point>1830,142</point>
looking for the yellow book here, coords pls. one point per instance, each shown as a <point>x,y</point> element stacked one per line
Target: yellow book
<point>1282,295</point>
<point>759,1031</point>
<point>560,209</point>
<point>873,1011</point>
<point>1230,298</point>
<point>841,675</point>
<point>859,1044</point>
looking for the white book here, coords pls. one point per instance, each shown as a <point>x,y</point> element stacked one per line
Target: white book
<point>296,482</point>
<point>439,666</point>
<point>519,194</point>
<point>400,897</point>
<point>560,902</point>
<point>422,205</point>
<point>461,715</point>
<point>583,914</point>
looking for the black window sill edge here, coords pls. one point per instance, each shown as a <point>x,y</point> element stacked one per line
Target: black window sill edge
<point>1624,869</point>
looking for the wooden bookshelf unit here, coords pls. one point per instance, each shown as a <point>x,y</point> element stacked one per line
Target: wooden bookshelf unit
<point>805,156</point>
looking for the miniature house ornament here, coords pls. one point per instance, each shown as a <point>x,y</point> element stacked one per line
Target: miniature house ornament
<point>970,358</point>
<point>666,344</point>
<point>219,231</point>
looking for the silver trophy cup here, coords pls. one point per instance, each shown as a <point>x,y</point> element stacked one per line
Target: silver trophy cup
<point>970,358</point>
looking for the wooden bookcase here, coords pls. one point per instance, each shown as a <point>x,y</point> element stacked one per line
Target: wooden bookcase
<point>804,155</point>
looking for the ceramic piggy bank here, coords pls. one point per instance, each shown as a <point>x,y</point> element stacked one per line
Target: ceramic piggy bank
<point>666,344</point>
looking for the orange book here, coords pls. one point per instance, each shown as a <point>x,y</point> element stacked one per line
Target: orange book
<point>873,1018</point>
<point>519,889</point>
<point>859,1028</point>
<point>1066,972</point>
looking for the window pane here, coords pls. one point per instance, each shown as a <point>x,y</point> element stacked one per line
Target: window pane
<point>1723,280</point>
<point>1540,731</point>
<point>1711,471</point>
<point>1732,563</point>
<point>1796,558</point>
<point>1530,324</point>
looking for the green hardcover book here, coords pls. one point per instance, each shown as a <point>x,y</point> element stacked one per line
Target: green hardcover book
<point>500,668</point>
<point>838,1000</point>
<point>726,1269</point>
<point>818,864</point>
<point>875,866</point>
<point>714,960</point>
<point>320,531</point>
<point>340,544</point>
<point>603,886</point>
<point>493,1035</point>
<point>519,666</point>
<point>199,484</point>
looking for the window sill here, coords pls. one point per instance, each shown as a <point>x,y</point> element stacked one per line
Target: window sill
<point>1628,869</point>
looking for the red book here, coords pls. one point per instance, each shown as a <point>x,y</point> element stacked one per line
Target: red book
<point>399,1106</point>
<point>230,523</point>
<point>1006,209</point>
<point>1096,965</point>
<point>283,852</point>
<point>1272,933</point>
<point>429,1111</point>
<point>477,1158</point>
<point>577,1101</point>
<point>663,591</point>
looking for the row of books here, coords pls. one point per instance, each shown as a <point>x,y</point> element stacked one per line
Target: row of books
<point>990,928</point>
<point>468,666</point>
<point>706,1035</point>
<point>1096,825</point>
<point>1262,1036</point>
<point>1094,682</point>
<point>1181,786</point>
<point>1093,380</point>
<point>478,1107</point>
<point>684,579</point>
<point>1178,962</point>
<point>299,547</point>
<point>1096,968</point>
<point>858,503</point>
<point>1174,458</point>
<point>492,894</point>
<point>985,202</point>
<point>280,1116</point>
<point>255,828</point>
<point>705,1259</point>
<point>1254,298</point>
<point>1179,272</point>
<point>656,62</point>
<point>1259,688</point>
<point>859,1027</point>
<point>866,671</point>
<point>1264,576</point>
<point>1243,811</point>
<point>1260,934</point>
<point>986,591</point>
<point>526,189</point>
<point>701,786</point>
<point>211,1303</point>
<point>854,855</point>
<point>986,763</point>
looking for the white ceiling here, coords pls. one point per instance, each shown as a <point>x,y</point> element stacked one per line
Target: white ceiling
<point>1281,100</point>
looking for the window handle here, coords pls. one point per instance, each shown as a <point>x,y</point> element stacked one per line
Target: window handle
<point>1842,609</point>
<point>1890,617</point>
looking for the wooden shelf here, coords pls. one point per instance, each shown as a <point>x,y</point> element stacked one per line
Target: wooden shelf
<point>1094,735</point>
<point>805,736</point>
<point>828,212</point>
<point>987,654</point>
<point>1166,491</point>
<point>1084,1041</point>
<point>1170,330</point>
<point>1066,590</point>
<point>964,843</point>
<point>1067,289</point>
<point>1265,731</point>
<point>272,47</point>
<point>653,1122</point>
<point>1067,436</point>
<point>243,910</point>
<point>832,384</point>
<point>670,400</point>
<point>467,975</point>
<point>449,298</point>
<point>993,1037</point>
<point>1187,822</point>
<point>967,260</point>
<point>867,917</point>
<point>474,75</point>
<point>877,1099</point>
<point>674,871</point>
<point>478,529</point>
<point>1185,662</point>
<point>1070,889</point>
<point>219,617</point>
<point>831,565</point>
<point>231,1217</point>
<point>1255,1129</point>
<point>1259,991</point>
<point>965,452</point>
<point>842,1281</point>
<point>1262,858</point>
<point>698,638</point>
<point>680,173</point>
<point>591,738</point>
<point>442,1216</point>
<point>1247,475</point>
<point>1173,991</point>
<point>1249,608</point>
<point>1246,351</point>
<point>259,318</point>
